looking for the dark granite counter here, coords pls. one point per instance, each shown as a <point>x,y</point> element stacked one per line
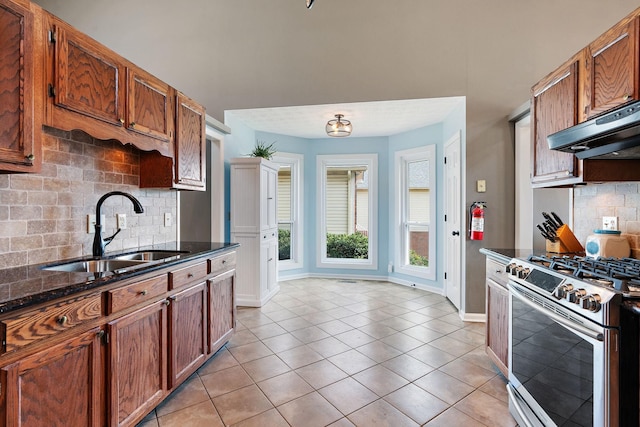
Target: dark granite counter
<point>28,285</point>
<point>505,255</point>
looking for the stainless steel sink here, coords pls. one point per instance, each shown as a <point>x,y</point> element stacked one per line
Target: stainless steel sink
<point>96,266</point>
<point>151,255</point>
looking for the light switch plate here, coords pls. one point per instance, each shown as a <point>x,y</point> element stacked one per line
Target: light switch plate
<point>167,219</point>
<point>481,186</point>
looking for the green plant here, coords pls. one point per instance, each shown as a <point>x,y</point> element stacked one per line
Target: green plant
<point>284,244</point>
<point>419,260</point>
<point>263,150</point>
<point>354,245</point>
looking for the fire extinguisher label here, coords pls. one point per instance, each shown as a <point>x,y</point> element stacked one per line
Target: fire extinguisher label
<point>477,224</point>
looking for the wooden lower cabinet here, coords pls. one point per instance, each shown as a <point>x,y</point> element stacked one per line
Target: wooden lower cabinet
<point>222,309</point>
<point>188,332</point>
<point>137,363</point>
<point>497,333</point>
<point>59,386</point>
<point>127,356</point>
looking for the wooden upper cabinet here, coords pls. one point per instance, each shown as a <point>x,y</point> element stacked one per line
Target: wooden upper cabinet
<point>190,143</point>
<point>149,105</point>
<point>187,169</point>
<point>555,107</point>
<point>88,79</point>
<point>91,88</point>
<point>611,73</point>
<point>20,80</point>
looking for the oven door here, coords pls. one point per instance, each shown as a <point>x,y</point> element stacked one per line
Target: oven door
<point>563,369</point>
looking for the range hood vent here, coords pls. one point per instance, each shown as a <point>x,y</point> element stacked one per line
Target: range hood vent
<point>613,135</point>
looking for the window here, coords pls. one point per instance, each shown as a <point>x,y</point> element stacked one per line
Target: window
<point>415,212</point>
<point>289,210</point>
<point>347,209</point>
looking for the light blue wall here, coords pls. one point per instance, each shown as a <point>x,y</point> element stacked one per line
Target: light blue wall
<point>242,140</point>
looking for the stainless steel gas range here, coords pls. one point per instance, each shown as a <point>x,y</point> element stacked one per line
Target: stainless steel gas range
<point>564,339</point>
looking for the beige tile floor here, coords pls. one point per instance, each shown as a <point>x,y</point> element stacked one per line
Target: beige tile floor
<point>343,353</point>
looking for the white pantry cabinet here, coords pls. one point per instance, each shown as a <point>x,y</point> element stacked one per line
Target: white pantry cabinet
<point>254,225</point>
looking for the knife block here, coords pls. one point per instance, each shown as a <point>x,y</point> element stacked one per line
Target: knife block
<point>566,243</point>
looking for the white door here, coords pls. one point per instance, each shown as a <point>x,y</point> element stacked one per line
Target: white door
<point>453,226</point>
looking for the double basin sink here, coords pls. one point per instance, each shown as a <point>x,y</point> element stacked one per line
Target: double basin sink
<point>117,264</point>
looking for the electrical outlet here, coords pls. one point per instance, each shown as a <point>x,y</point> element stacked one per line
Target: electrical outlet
<point>167,219</point>
<point>121,220</point>
<point>609,222</point>
<point>91,222</point>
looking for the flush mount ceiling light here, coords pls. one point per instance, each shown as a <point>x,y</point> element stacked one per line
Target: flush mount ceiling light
<point>338,127</point>
<point>309,3</point>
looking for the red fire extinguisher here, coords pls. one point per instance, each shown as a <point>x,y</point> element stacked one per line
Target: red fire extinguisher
<point>476,228</point>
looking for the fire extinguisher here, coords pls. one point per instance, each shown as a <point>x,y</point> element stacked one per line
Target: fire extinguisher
<point>476,214</point>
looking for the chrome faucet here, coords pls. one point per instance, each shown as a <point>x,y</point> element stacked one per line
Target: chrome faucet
<point>98,242</point>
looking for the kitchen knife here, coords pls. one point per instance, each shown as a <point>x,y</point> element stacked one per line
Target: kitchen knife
<point>549,228</point>
<point>557,219</point>
<point>544,233</point>
<point>550,220</point>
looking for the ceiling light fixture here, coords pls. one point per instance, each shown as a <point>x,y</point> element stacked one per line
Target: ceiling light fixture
<point>309,3</point>
<point>338,127</point>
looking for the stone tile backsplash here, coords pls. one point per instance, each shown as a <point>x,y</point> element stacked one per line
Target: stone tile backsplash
<point>592,202</point>
<point>43,217</point>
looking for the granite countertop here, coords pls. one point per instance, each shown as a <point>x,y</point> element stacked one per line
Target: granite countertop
<point>27,285</point>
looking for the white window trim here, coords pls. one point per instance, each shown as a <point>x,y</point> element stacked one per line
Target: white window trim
<point>296,162</point>
<point>400,207</point>
<point>344,160</point>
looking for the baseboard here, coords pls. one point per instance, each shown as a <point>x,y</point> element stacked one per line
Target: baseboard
<point>473,317</point>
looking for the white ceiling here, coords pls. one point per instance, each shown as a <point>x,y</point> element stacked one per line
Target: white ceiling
<point>369,119</point>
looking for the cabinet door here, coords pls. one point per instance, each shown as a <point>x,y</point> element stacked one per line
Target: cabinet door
<point>190,150</point>
<point>188,320</point>
<point>272,198</point>
<point>222,309</point>
<point>58,386</point>
<point>611,69</point>
<point>268,266</point>
<point>137,363</point>
<point>19,135</point>
<point>149,105</point>
<point>89,79</point>
<point>497,338</point>
<point>554,107</point>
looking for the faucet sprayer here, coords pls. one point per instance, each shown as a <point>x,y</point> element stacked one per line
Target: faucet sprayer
<point>98,242</point>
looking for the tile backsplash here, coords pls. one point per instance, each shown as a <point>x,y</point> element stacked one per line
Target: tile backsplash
<point>592,202</point>
<point>43,217</point>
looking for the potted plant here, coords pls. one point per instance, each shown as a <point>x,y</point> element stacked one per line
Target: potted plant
<point>263,150</point>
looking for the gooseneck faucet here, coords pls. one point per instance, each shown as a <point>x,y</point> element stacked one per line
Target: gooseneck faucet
<point>98,242</point>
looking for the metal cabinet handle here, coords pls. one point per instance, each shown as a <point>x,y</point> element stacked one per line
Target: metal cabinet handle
<point>166,302</point>
<point>626,97</point>
<point>62,320</point>
<point>30,157</point>
<point>121,120</point>
<point>132,125</point>
<point>143,292</point>
<point>190,275</point>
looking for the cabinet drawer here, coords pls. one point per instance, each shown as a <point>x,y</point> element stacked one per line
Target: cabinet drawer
<point>130,295</point>
<point>34,325</point>
<point>187,275</point>
<point>496,272</point>
<point>222,263</point>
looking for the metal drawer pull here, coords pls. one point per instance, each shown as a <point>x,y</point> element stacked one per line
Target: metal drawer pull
<point>143,292</point>
<point>190,275</point>
<point>62,320</point>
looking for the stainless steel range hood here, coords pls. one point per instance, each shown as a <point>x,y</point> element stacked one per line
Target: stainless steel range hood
<point>614,135</point>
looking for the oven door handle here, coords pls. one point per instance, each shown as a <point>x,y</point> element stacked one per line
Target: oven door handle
<point>516,401</point>
<point>558,319</point>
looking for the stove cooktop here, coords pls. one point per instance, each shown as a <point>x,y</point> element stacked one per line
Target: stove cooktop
<point>621,275</point>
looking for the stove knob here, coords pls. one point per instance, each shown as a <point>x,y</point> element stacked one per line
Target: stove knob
<point>575,295</point>
<point>591,303</point>
<point>562,290</point>
<point>523,272</point>
<point>511,267</point>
